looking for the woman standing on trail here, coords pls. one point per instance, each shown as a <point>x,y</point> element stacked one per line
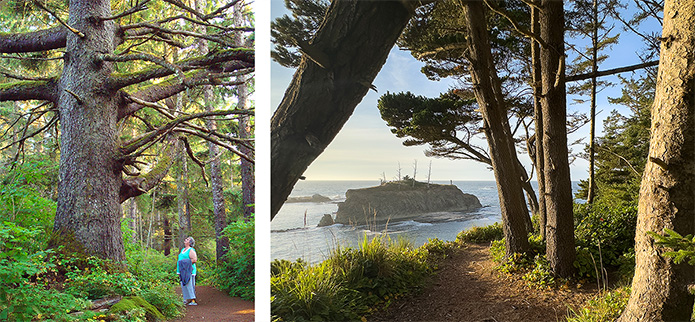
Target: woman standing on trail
<point>185,267</point>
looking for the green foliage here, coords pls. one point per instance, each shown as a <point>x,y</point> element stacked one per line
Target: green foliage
<point>151,267</point>
<point>164,299</point>
<point>479,235</point>
<point>604,234</point>
<point>541,275</point>
<point>21,261</point>
<point>133,308</point>
<point>439,122</point>
<point>236,273</point>
<point>22,193</point>
<point>351,282</point>
<point>606,307</point>
<point>285,31</point>
<point>682,247</point>
<point>97,281</point>
<point>621,153</point>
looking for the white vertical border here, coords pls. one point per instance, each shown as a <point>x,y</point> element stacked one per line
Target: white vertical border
<point>262,296</point>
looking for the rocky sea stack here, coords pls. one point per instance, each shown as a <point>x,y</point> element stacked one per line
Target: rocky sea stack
<point>401,200</point>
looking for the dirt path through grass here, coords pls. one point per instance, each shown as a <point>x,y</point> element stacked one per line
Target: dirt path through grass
<point>214,305</point>
<point>467,288</point>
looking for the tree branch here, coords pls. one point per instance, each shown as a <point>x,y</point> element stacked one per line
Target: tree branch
<point>140,7</point>
<point>579,77</point>
<point>28,90</point>
<point>189,151</point>
<point>34,41</point>
<point>516,26</point>
<point>135,186</point>
<point>139,142</point>
<point>227,60</point>
<point>215,141</point>
<point>73,30</point>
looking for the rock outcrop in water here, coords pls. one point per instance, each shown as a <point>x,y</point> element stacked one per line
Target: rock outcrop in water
<point>314,198</point>
<point>401,200</point>
<point>326,220</point>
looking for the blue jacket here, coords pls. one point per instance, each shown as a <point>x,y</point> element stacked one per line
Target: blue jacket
<point>185,270</point>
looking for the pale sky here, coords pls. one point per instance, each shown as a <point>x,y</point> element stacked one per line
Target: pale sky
<point>365,148</point>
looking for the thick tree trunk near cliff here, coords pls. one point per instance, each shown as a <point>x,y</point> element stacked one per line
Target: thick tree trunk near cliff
<point>667,194</point>
<point>337,70</point>
<point>558,189</point>
<point>88,190</point>
<point>488,93</point>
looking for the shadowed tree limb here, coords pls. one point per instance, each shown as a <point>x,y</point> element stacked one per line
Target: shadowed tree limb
<point>28,90</point>
<point>135,186</point>
<point>34,41</point>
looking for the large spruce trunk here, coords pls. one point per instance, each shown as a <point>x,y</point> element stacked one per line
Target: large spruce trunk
<point>488,93</point>
<point>558,188</point>
<point>336,72</point>
<point>90,178</point>
<point>667,193</point>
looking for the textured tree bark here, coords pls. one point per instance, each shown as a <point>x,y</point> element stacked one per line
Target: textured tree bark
<point>133,215</point>
<point>558,189</point>
<point>592,128</point>
<point>488,93</point>
<point>248,179</point>
<point>182,188</point>
<point>537,111</point>
<point>667,193</point>
<point>216,182</point>
<point>88,196</point>
<point>336,72</point>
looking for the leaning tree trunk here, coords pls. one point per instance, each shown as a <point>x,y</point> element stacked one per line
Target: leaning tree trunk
<point>488,93</point>
<point>337,70</point>
<point>89,177</point>
<point>558,187</point>
<point>667,194</point>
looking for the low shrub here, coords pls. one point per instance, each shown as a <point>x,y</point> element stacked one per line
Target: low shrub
<point>604,308</point>
<point>236,273</point>
<point>604,234</point>
<point>351,283</point>
<point>478,235</point>
<point>165,299</point>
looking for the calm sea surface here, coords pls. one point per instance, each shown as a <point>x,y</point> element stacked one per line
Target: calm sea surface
<point>295,235</point>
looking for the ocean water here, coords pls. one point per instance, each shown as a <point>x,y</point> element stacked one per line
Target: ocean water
<point>294,233</point>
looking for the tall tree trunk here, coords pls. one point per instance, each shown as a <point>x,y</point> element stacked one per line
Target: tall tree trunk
<point>166,246</point>
<point>88,191</point>
<point>248,180</point>
<point>488,93</point>
<point>592,136</point>
<point>182,197</point>
<point>133,216</point>
<point>538,142</point>
<point>337,70</point>
<point>216,182</point>
<point>558,187</point>
<point>667,194</point>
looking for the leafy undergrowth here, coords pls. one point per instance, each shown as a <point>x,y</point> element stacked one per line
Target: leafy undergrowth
<point>54,285</point>
<point>351,283</point>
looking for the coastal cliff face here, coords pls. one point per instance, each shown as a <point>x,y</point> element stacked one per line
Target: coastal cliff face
<point>394,201</point>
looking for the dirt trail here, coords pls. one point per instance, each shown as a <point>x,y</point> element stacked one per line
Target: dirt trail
<point>467,288</point>
<point>214,305</point>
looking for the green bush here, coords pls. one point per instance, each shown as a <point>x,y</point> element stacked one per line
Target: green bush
<point>151,267</point>
<point>351,282</point>
<point>28,302</point>
<point>604,233</point>
<point>236,273</point>
<point>133,307</point>
<point>164,299</point>
<point>606,307</point>
<point>478,235</point>
<point>96,281</point>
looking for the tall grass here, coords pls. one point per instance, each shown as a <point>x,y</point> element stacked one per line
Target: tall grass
<point>350,283</point>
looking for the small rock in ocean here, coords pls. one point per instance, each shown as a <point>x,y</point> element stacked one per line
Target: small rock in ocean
<point>326,220</point>
<point>314,198</point>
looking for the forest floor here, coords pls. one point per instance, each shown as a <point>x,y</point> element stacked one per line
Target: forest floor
<point>215,305</point>
<point>468,288</point>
